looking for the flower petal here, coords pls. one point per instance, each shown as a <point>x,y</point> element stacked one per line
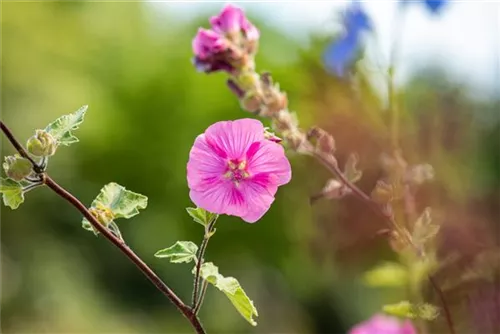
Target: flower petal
<point>258,195</point>
<point>221,197</point>
<point>206,166</point>
<point>268,158</point>
<point>234,137</point>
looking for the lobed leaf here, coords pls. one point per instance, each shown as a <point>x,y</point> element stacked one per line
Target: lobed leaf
<point>180,252</point>
<point>232,289</point>
<point>388,274</point>
<point>61,128</point>
<point>201,216</point>
<point>12,193</point>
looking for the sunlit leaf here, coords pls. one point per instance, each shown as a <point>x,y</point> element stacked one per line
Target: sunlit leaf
<point>405,309</point>
<point>61,128</point>
<point>232,289</point>
<point>424,230</point>
<point>388,274</point>
<point>114,201</point>
<point>201,216</point>
<point>12,193</point>
<point>180,252</point>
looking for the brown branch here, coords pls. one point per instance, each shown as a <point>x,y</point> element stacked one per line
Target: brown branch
<point>19,148</point>
<point>447,312</point>
<point>117,242</point>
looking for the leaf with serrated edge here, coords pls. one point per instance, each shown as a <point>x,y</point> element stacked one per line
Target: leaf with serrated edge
<point>180,252</point>
<point>232,289</point>
<point>387,274</point>
<point>122,202</point>
<point>61,128</point>
<point>201,216</point>
<point>12,193</point>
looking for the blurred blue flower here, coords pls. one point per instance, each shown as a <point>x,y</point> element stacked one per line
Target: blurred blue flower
<point>342,52</point>
<point>434,6</point>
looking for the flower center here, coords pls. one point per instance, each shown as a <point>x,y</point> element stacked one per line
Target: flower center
<point>236,171</point>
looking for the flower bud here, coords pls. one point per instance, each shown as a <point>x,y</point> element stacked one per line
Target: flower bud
<point>419,174</point>
<point>103,214</point>
<point>284,121</point>
<point>42,144</point>
<point>383,192</point>
<point>324,141</point>
<point>17,167</point>
<point>295,139</point>
<point>251,101</point>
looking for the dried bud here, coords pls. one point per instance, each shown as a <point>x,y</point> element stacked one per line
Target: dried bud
<point>42,144</point>
<point>251,102</point>
<point>274,102</point>
<point>284,121</point>
<point>332,190</point>
<point>324,141</point>
<point>103,215</point>
<point>17,167</point>
<point>295,139</point>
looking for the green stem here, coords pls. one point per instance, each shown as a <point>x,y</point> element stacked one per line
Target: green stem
<point>201,253</point>
<point>202,297</point>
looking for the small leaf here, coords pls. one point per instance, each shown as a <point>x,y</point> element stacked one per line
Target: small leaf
<point>424,230</point>
<point>388,274</point>
<point>61,128</point>
<point>181,251</point>
<point>350,171</point>
<point>12,193</point>
<point>121,203</point>
<point>201,216</point>
<point>232,289</point>
<point>405,309</point>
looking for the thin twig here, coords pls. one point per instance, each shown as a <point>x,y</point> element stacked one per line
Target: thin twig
<point>199,256</point>
<point>447,312</point>
<point>19,148</point>
<point>117,242</point>
<point>202,297</point>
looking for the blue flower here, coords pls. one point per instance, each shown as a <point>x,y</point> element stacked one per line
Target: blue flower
<point>434,6</point>
<point>341,53</point>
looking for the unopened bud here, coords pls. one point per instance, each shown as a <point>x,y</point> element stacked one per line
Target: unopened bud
<point>17,167</point>
<point>248,80</point>
<point>383,193</point>
<point>102,214</point>
<point>251,101</point>
<point>324,141</point>
<point>420,174</point>
<point>284,121</point>
<point>295,139</point>
<point>275,101</point>
<point>269,135</point>
<point>42,144</point>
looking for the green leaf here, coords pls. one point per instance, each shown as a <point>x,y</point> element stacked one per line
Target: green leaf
<point>61,128</point>
<point>201,216</point>
<point>181,251</point>
<point>388,274</point>
<point>121,203</point>
<point>405,309</point>
<point>232,289</point>
<point>350,169</point>
<point>12,193</point>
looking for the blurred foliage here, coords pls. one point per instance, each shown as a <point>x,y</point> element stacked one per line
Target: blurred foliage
<point>130,62</point>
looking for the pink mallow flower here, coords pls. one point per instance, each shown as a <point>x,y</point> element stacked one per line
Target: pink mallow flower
<point>234,170</point>
<point>232,20</point>
<point>381,324</point>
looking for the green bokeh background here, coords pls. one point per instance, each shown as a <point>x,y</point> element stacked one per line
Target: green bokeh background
<point>300,264</point>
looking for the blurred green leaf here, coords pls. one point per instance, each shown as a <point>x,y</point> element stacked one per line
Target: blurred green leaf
<point>120,202</point>
<point>201,216</point>
<point>388,274</point>
<point>405,309</point>
<point>180,252</point>
<point>232,289</point>
<point>61,128</point>
<point>12,193</point>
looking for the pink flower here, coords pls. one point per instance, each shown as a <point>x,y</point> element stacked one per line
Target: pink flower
<point>381,324</point>
<point>232,20</point>
<point>208,43</point>
<point>234,170</point>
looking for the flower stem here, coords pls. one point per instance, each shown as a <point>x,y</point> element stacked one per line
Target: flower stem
<point>202,296</point>
<point>196,303</point>
<point>117,242</point>
<point>446,309</point>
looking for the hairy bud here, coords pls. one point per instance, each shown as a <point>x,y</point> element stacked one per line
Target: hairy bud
<point>42,144</point>
<point>324,141</point>
<point>284,121</point>
<point>251,102</point>
<point>17,167</point>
